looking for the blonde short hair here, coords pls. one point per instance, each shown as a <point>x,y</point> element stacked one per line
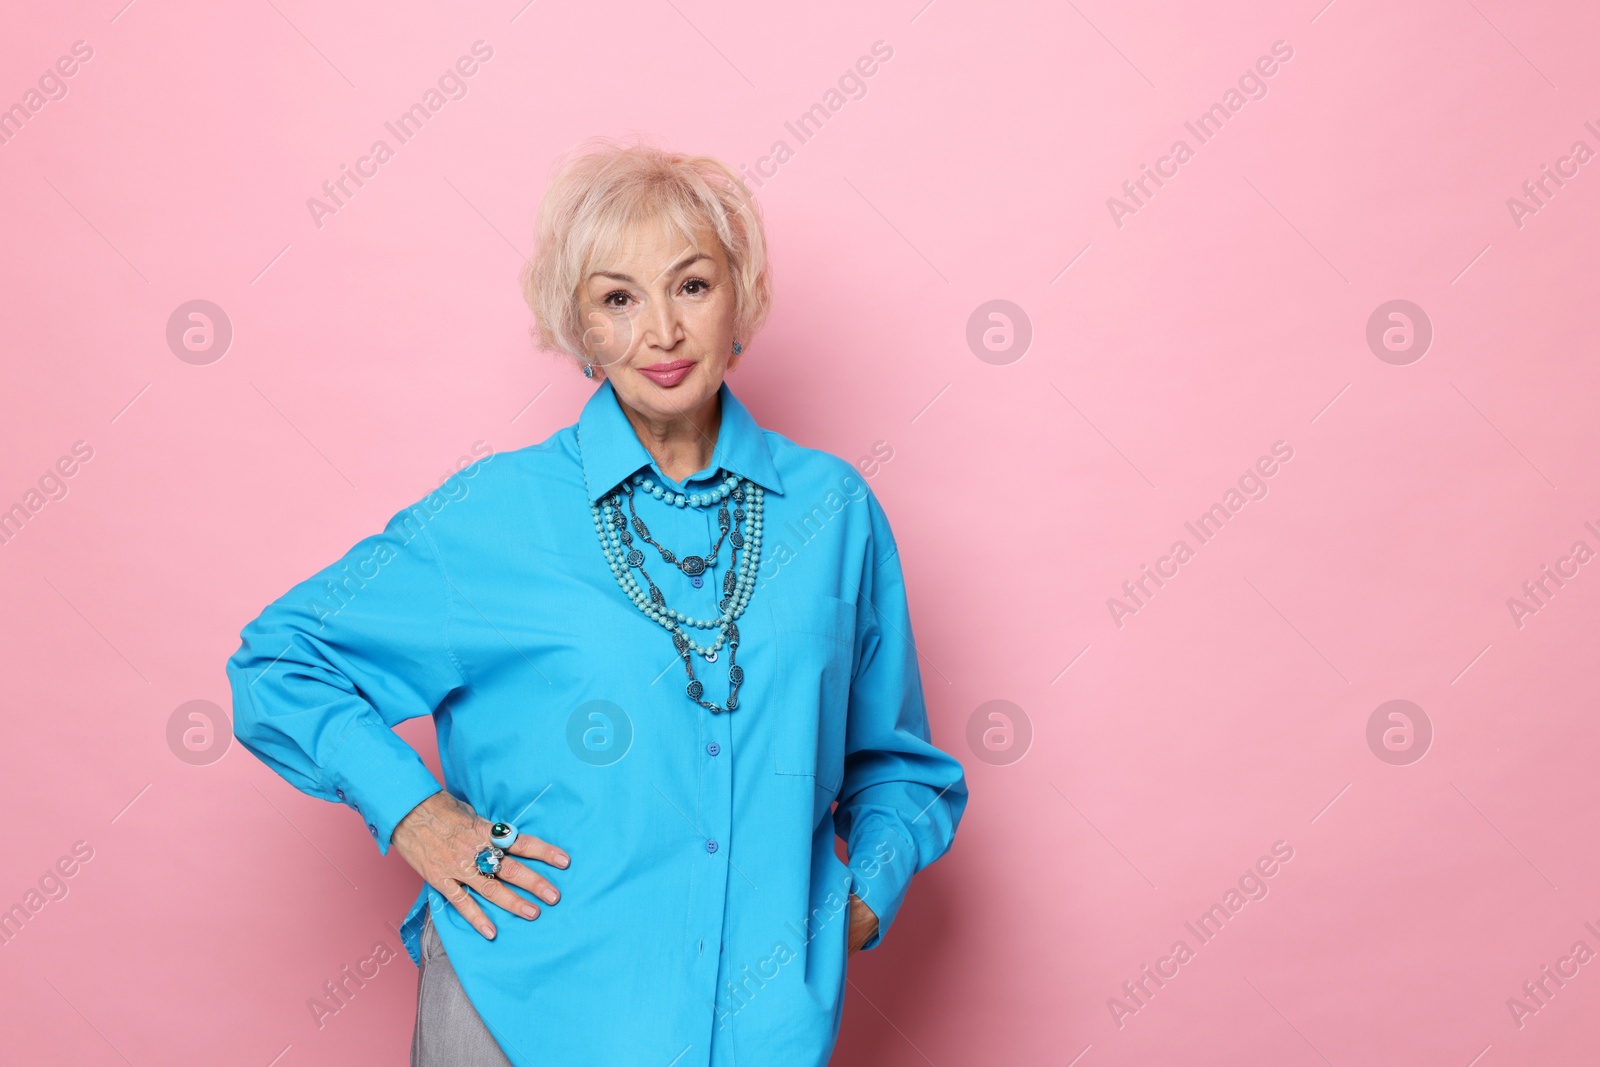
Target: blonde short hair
<point>603,187</point>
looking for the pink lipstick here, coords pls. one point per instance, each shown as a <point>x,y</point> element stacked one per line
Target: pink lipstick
<point>668,373</point>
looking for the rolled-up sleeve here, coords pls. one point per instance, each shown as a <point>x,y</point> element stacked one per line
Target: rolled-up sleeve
<point>325,672</point>
<point>901,797</point>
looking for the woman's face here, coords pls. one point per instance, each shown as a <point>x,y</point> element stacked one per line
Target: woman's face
<point>658,319</point>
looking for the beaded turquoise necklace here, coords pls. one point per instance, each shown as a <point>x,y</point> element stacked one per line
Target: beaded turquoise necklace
<point>743,535</point>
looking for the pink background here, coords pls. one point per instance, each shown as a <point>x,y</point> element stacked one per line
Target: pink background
<point>1228,313</point>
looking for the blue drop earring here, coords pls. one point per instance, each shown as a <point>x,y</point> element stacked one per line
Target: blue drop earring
<point>737,348</point>
<point>588,370</point>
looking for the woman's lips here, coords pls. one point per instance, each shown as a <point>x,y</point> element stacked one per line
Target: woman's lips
<point>669,373</point>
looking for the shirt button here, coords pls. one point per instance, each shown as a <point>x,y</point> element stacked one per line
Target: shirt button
<point>339,793</point>
<point>713,748</point>
<point>711,846</point>
<point>371,829</point>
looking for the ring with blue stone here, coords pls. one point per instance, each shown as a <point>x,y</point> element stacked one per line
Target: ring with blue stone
<point>502,835</point>
<point>488,861</point>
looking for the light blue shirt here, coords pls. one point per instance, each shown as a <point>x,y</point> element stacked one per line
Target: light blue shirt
<point>705,912</point>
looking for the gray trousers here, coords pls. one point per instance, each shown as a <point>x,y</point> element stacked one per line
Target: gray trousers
<point>449,1031</point>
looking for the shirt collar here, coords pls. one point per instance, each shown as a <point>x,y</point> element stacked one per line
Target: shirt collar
<point>612,451</point>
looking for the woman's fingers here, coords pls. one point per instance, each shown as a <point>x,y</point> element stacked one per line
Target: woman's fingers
<point>537,849</point>
<point>494,892</point>
<point>491,889</point>
<point>462,901</point>
<point>520,875</point>
<point>534,848</point>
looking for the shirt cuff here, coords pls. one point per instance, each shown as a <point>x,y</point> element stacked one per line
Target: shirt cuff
<point>882,862</point>
<point>379,776</point>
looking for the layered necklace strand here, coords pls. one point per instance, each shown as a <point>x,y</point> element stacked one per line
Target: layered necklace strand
<point>744,533</point>
<point>694,566</point>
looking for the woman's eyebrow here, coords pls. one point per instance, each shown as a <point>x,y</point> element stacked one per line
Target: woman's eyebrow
<point>671,270</point>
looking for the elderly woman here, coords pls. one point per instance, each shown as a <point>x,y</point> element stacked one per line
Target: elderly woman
<point>668,657</point>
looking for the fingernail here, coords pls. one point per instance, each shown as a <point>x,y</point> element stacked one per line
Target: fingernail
<point>551,895</point>
<point>562,859</point>
<point>487,931</point>
<point>530,912</point>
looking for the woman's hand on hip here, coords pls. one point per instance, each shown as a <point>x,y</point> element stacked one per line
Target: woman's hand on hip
<point>863,924</point>
<point>441,838</point>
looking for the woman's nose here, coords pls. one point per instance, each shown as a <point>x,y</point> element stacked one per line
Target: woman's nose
<point>660,325</point>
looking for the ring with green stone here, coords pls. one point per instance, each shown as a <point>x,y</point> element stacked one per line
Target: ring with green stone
<point>502,835</point>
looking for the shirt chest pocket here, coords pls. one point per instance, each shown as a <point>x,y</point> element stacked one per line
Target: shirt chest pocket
<point>815,641</point>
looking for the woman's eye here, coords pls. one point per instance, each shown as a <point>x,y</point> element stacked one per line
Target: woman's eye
<point>612,296</point>
<point>703,286</point>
